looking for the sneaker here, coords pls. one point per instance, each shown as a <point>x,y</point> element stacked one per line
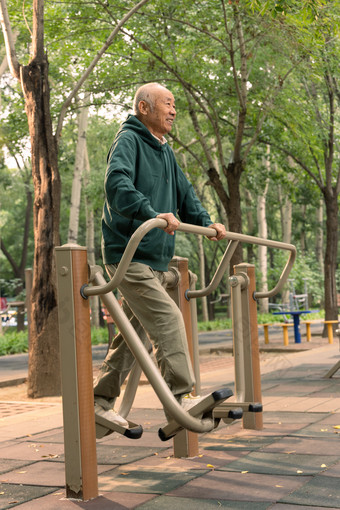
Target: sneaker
<point>111,415</point>
<point>189,401</point>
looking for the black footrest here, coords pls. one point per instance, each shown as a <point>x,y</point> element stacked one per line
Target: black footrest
<point>163,437</point>
<point>228,412</point>
<point>255,408</point>
<point>203,410</point>
<point>105,427</point>
<point>222,394</point>
<point>134,432</point>
<point>235,414</point>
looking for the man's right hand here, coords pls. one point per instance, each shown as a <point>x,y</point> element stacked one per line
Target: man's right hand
<point>173,222</point>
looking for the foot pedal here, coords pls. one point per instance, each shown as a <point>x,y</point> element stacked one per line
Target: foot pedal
<point>204,409</point>
<point>247,407</point>
<point>227,414</point>
<point>105,427</point>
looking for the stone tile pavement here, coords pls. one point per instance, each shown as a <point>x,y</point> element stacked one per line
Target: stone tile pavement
<point>293,463</point>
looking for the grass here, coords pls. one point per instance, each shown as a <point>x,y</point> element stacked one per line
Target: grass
<point>13,342</point>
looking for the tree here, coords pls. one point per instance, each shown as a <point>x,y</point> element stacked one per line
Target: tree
<point>227,94</point>
<point>44,370</point>
<point>310,130</point>
<point>307,129</point>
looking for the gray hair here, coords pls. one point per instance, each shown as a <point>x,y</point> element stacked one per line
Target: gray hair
<point>145,93</point>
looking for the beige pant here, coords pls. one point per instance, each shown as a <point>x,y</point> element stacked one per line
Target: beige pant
<point>154,315</point>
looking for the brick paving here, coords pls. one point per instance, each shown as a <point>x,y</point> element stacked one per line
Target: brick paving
<point>292,463</point>
<point>14,408</point>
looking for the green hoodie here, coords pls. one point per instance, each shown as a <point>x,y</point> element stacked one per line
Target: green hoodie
<point>143,180</point>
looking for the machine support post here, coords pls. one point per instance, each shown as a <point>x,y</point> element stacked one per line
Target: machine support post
<point>76,374</point>
<point>185,442</point>
<point>251,355</point>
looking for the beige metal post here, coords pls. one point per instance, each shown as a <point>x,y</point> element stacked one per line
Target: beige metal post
<point>251,355</point>
<point>76,372</point>
<point>185,442</point>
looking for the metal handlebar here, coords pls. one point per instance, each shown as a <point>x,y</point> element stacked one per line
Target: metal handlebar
<point>104,289</point>
<point>234,239</point>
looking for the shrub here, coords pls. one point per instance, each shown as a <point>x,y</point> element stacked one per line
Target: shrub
<point>13,342</point>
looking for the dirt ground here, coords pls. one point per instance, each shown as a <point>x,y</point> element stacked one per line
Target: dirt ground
<point>19,393</point>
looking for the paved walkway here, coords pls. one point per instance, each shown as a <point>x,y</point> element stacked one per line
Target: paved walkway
<point>293,463</point>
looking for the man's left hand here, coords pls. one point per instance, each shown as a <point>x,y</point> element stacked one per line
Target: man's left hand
<point>221,232</point>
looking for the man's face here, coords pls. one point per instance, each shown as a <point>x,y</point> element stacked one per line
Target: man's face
<point>159,120</point>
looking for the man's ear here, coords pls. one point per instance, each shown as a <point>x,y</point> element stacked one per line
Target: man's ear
<point>143,107</point>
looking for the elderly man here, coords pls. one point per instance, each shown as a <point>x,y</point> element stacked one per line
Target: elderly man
<point>143,181</point>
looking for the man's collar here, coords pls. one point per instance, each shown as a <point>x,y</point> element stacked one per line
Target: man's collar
<point>162,141</point>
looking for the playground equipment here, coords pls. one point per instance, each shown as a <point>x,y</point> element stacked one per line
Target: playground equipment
<point>296,301</point>
<point>76,359</point>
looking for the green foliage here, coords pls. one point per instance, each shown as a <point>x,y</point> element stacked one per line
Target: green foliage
<point>216,325</point>
<point>14,186</point>
<point>269,318</point>
<point>13,342</point>
<point>303,12</point>
<point>185,247</point>
<point>9,288</point>
<point>305,267</point>
<point>99,336</point>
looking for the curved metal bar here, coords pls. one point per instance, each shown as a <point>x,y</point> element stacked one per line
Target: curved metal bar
<point>195,229</point>
<point>233,236</point>
<point>223,266</point>
<point>150,370</point>
<point>282,280</point>
<point>126,258</point>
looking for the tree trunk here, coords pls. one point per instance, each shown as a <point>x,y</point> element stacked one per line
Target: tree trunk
<point>332,214</point>
<point>44,363</point>
<point>303,232</point>
<point>78,172</point>
<point>248,199</point>
<point>319,235</point>
<point>286,222</point>
<point>233,174</point>
<point>263,250</point>
<point>231,202</point>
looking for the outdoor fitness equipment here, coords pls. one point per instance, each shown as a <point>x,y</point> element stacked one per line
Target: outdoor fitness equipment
<point>76,355</point>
